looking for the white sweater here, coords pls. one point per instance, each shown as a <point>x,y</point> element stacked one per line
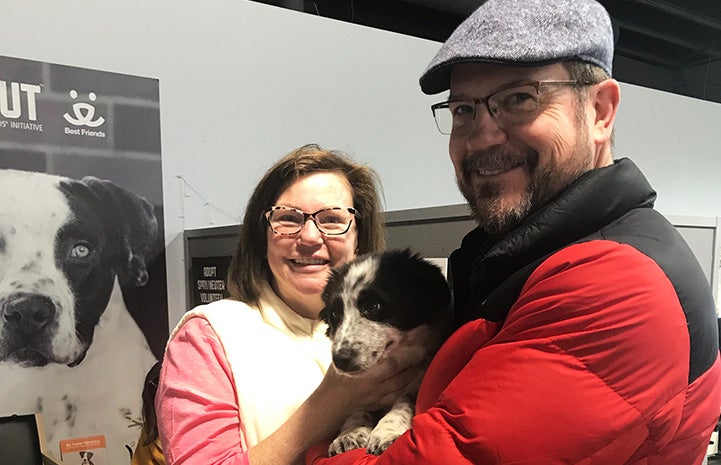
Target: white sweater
<point>277,359</point>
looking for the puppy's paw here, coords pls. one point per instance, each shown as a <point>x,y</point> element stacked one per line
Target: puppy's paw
<point>355,438</point>
<point>393,424</point>
<point>379,441</point>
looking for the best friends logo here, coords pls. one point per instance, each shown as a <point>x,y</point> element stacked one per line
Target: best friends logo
<point>84,112</point>
<point>83,115</point>
<point>18,103</point>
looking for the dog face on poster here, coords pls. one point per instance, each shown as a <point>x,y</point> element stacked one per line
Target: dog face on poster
<point>86,458</point>
<point>69,348</point>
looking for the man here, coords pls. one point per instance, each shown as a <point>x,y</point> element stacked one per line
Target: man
<point>588,331</point>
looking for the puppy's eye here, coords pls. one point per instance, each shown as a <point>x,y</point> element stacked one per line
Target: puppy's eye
<point>371,309</point>
<point>80,250</point>
<point>331,313</point>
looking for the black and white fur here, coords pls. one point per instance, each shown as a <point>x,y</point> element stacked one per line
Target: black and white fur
<point>86,458</point>
<point>391,304</point>
<point>69,348</point>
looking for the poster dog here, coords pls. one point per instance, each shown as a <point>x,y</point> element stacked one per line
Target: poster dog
<point>69,349</point>
<point>391,304</point>
<point>86,458</point>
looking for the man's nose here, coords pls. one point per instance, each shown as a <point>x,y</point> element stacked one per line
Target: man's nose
<point>485,131</point>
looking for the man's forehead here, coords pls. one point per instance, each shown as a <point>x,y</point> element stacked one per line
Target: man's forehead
<point>488,76</point>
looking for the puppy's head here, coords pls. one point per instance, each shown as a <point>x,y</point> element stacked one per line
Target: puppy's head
<point>85,457</point>
<point>62,243</point>
<point>384,304</point>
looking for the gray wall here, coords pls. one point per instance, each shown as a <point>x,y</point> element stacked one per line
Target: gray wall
<point>242,83</point>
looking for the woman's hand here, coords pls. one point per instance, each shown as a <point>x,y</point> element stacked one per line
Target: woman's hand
<point>323,413</point>
<point>371,390</point>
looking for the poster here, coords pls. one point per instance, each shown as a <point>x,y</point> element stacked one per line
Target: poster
<point>84,451</point>
<point>208,278</point>
<point>83,289</point>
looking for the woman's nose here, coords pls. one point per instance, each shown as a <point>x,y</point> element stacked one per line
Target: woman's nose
<point>309,233</point>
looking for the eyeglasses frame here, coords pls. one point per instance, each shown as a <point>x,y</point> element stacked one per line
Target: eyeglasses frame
<point>306,216</point>
<point>484,100</point>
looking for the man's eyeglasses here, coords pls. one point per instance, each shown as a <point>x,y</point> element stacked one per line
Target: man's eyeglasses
<point>514,105</point>
<point>331,221</point>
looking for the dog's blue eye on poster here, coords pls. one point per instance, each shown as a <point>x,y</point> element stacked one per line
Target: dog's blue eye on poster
<point>81,251</point>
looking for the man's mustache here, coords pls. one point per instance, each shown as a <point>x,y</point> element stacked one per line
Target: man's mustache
<point>497,160</point>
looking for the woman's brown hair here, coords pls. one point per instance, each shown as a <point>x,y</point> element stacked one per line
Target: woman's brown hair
<point>249,268</point>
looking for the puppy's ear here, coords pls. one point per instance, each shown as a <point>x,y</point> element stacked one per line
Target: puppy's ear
<point>428,279</point>
<point>332,312</point>
<point>137,227</point>
<point>436,291</point>
<point>332,286</point>
<point>323,315</point>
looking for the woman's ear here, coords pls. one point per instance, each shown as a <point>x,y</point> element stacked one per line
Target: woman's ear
<point>605,97</point>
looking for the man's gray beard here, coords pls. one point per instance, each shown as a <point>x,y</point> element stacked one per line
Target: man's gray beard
<point>544,186</point>
<point>493,218</point>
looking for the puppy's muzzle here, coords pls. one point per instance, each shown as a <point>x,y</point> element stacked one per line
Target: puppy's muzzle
<point>27,314</point>
<point>354,357</point>
<point>346,359</point>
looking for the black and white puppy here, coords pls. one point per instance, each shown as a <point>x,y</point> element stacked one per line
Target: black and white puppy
<point>391,304</point>
<point>69,348</point>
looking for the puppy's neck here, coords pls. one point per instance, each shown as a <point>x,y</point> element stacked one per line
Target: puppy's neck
<point>416,345</point>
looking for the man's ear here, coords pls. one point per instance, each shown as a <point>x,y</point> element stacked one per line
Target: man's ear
<point>605,97</point>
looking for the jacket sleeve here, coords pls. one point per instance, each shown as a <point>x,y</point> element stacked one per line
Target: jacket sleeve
<point>576,374</point>
<point>197,409</point>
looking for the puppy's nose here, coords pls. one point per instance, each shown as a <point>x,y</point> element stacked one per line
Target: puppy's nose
<point>345,359</point>
<point>28,313</point>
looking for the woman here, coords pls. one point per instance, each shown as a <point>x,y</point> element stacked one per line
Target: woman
<point>148,450</point>
<point>246,379</point>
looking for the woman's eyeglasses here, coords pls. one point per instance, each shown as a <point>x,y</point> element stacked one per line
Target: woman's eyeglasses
<point>331,221</point>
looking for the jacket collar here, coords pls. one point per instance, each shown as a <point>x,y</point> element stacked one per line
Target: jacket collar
<point>594,200</point>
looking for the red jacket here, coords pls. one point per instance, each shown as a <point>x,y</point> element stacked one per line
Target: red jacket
<point>602,358</point>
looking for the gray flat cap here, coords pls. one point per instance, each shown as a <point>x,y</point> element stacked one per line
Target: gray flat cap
<point>525,33</point>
